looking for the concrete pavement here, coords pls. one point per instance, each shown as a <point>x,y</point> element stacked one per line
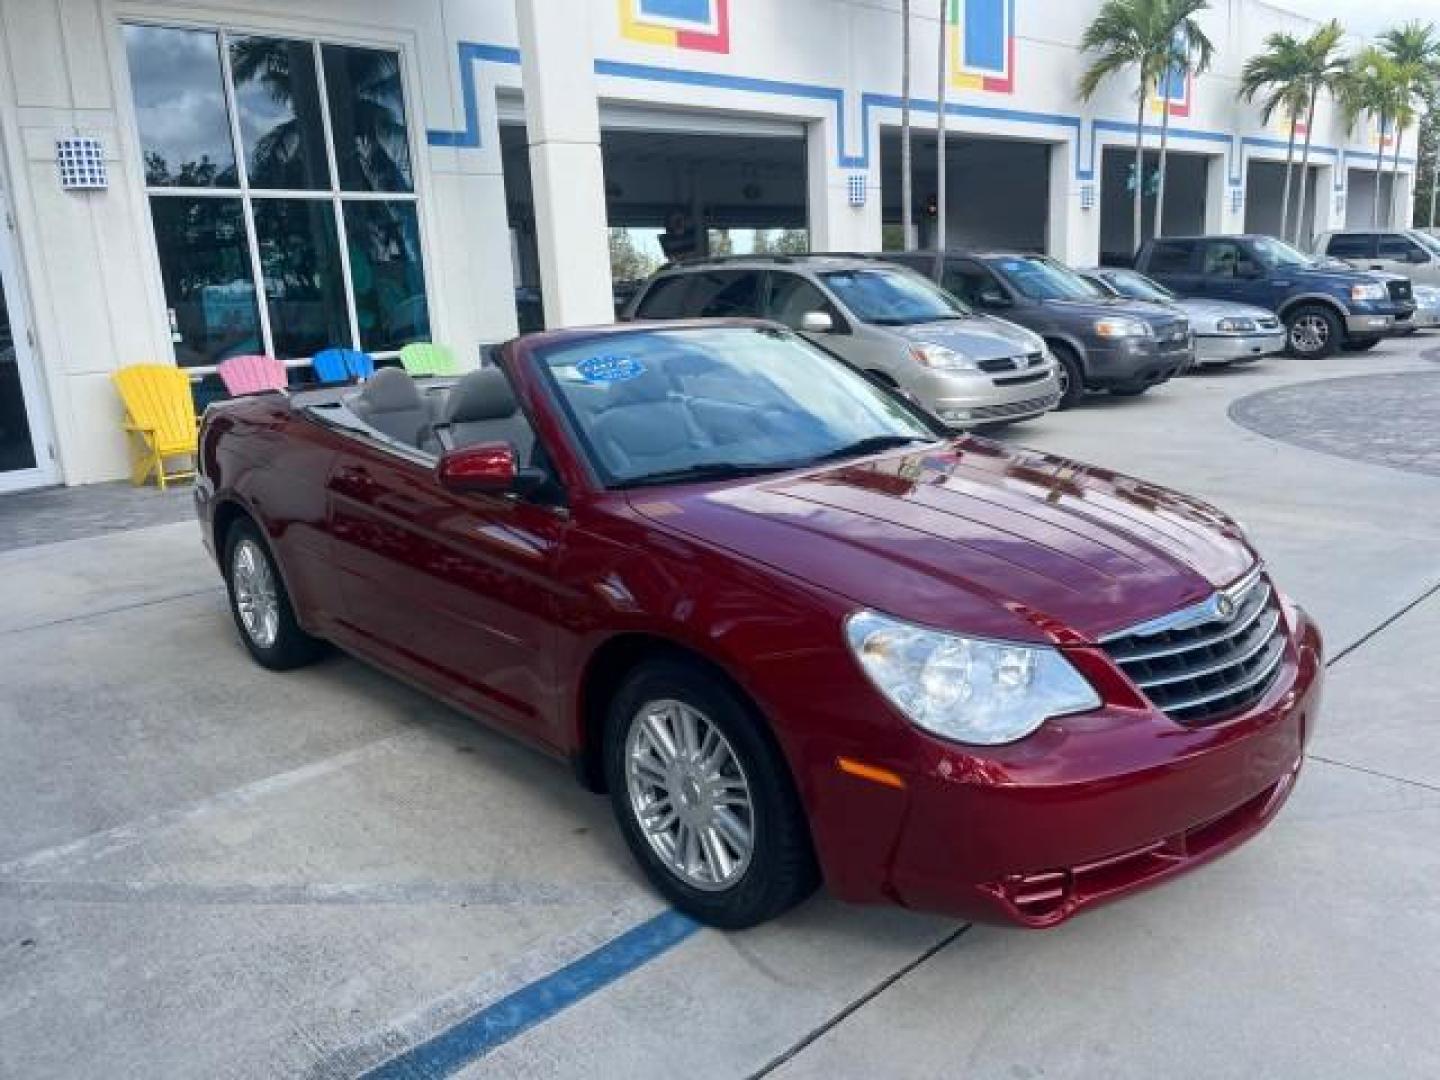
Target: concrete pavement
<point>208,870</point>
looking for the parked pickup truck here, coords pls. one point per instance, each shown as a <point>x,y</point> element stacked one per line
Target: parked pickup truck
<point>1324,307</point>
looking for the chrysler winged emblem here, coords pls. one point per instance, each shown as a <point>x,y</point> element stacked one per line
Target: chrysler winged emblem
<point>1224,607</point>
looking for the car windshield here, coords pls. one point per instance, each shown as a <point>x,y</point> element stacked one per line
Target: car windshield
<point>1040,279</point>
<point>892,297</point>
<point>1280,256</point>
<point>674,405</point>
<point>1137,286</point>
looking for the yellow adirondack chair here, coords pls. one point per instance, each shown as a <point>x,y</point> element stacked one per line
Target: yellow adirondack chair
<point>160,417</point>
<point>427,358</point>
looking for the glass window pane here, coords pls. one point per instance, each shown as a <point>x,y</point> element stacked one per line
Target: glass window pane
<point>278,98</point>
<point>388,274</point>
<point>209,287</point>
<point>304,289</point>
<point>367,114</point>
<point>180,107</point>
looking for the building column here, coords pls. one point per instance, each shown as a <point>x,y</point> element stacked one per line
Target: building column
<point>1217,196</point>
<point>1073,229</point>
<point>1329,203</point>
<point>837,224</point>
<point>562,118</point>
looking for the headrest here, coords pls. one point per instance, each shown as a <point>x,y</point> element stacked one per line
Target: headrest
<point>390,390</point>
<point>484,394</point>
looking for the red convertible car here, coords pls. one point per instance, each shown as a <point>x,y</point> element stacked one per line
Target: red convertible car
<point>795,630</point>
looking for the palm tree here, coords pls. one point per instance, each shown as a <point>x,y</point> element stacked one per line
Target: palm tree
<point>1190,52</point>
<point>907,223</point>
<point>1372,85</point>
<point>1324,70</point>
<point>1277,77</point>
<point>1138,34</point>
<point>1414,49</point>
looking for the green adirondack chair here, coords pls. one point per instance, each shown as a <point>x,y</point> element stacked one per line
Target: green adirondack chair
<point>428,358</point>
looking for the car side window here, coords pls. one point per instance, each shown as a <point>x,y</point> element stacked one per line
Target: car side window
<point>721,294</point>
<point>665,299</point>
<point>791,297</point>
<point>968,282</point>
<point>1170,257</point>
<point>1225,258</point>
<point>1398,248</point>
<point>1351,246</point>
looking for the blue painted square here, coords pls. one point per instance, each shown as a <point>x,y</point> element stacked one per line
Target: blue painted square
<point>1175,85</point>
<point>689,11</point>
<point>985,44</point>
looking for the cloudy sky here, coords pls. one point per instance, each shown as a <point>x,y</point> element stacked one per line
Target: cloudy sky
<point>1365,16</point>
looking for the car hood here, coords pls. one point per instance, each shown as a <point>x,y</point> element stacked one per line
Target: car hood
<point>974,537</point>
<point>1208,312</point>
<point>1328,275</point>
<point>1154,314</point>
<point>978,336</point>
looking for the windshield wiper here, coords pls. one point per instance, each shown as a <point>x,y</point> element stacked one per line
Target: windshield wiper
<point>873,445</point>
<point>709,470</point>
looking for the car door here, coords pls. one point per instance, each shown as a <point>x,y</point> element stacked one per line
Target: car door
<point>1397,253</point>
<point>976,285</point>
<point>788,297</point>
<point>724,294</point>
<point>455,591</point>
<point>1229,271</point>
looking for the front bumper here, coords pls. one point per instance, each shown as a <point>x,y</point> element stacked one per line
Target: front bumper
<point>963,399</point>
<point>1363,324</point>
<point>1228,348</point>
<point>1086,809</point>
<point>1137,362</point>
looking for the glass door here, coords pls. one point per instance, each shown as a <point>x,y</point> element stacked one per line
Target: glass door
<point>25,459</point>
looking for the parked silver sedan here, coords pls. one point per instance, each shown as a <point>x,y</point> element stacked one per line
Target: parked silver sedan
<point>1427,307</point>
<point>1225,332</point>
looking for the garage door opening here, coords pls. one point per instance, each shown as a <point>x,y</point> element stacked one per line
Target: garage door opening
<point>1186,183</point>
<point>1360,210</point>
<point>671,194</point>
<point>1265,198</point>
<point>997,191</point>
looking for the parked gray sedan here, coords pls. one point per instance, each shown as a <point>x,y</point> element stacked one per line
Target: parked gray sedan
<point>1225,332</point>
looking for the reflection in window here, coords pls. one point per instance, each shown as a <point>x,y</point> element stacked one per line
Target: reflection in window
<point>386,272</point>
<point>367,115</point>
<point>180,107</point>
<point>209,287</point>
<point>278,99</point>
<point>304,287</point>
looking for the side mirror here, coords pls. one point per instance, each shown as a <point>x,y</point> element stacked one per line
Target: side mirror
<point>994,298</point>
<point>817,322</point>
<point>483,469</point>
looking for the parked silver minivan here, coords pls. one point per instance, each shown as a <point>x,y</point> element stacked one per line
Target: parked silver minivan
<point>1410,252</point>
<point>964,367</point>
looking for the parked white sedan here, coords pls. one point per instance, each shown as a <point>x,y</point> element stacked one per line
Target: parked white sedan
<point>1225,332</point>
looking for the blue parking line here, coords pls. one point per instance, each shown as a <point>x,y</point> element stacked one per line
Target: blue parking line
<point>533,1004</point>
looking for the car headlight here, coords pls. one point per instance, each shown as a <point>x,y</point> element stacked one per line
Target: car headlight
<point>1236,326</point>
<point>1368,292</point>
<point>965,689</point>
<point>1122,328</point>
<point>938,356</point>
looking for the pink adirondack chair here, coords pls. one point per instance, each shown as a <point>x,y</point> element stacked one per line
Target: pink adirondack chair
<point>251,374</point>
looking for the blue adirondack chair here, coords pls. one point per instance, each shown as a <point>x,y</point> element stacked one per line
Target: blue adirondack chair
<point>341,364</point>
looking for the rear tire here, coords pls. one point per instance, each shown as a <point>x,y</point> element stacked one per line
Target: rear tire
<point>1313,332</point>
<point>261,606</point>
<point>1071,376</point>
<point>703,797</point>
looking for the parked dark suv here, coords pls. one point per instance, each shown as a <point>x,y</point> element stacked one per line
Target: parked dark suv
<point>1099,341</point>
<point>1324,305</point>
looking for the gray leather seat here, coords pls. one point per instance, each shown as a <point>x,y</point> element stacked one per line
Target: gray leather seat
<point>391,403</point>
<point>482,408</point>
<point>644,429</point>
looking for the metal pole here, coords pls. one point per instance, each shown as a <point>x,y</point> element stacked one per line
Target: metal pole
<point>907,218</point>
<point>940,240</point>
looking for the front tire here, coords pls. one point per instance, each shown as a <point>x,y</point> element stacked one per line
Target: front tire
<point>1071,376</point>
<point>1313,332</point>
<point>703,797</point>
<point>261,606</point>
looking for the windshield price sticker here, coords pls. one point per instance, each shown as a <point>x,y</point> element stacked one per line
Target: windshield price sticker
<point>609,369</point>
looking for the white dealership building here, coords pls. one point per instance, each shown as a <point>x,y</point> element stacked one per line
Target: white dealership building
<point>186,180</point>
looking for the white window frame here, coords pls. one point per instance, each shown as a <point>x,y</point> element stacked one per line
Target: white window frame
<point>334,195</point>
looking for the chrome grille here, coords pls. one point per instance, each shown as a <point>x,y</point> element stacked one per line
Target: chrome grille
<point>1209,660</point>
<point>1010,363</point>
<point>1015,408</point>
<point>1400,290</point>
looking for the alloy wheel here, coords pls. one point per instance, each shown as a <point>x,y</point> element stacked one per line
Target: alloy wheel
<point>1309,334</point>
<point>255,595</point>
<point>689,794</point>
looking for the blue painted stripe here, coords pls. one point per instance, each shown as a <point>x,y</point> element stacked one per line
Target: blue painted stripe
<point>495,1025</point>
